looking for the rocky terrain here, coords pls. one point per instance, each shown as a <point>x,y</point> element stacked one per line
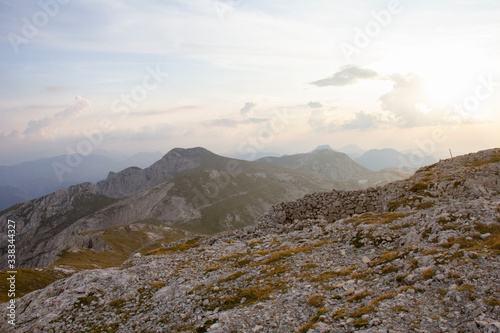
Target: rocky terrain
<point>418,255</point>
<point>192,189</point>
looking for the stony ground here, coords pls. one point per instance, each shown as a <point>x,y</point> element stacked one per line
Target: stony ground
<point>420,255</point>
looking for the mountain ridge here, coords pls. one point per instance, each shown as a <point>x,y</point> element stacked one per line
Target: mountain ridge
<point>416,254</point>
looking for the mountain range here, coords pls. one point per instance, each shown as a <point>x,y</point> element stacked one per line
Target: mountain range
<point>29,180</point>
<point>420,254</point>
<point>187,191</point>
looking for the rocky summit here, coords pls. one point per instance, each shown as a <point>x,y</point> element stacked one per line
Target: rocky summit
<point>419,255</point>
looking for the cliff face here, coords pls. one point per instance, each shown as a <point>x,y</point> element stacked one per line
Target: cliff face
<point>40,222</point>
<point>421,254</point>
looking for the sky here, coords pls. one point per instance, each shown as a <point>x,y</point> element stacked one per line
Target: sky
<point>247,76</point>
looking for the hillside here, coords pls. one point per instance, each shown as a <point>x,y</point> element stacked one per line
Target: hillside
<point>418,255</point>
<point>192,189</point>
<point>378,159</point>
<point>337,166</point>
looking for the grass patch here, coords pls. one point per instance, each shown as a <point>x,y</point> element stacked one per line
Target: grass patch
<point>318,301</point>
<point>369,218</point>
<point>190,244</point>
<point>492,302</point>
<point>251,295</point>
<point>361,323</point>
<point>386,257</point>
<point>428,273</point>
<point>313,321</point>
<point>362,311</point>
<point>399,309</point>
<point>381,298</point>
<point>117,302</point>
<point>359,296</point>
<point>340,314</point>
<point>419,186</point>
<point>494,159</point>
<point>231,277</point>
<point>425,205</point>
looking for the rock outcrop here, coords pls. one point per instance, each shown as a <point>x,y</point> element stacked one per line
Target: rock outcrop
<point>419,255</point>
<point>39,223</point>
<point>135,180</point>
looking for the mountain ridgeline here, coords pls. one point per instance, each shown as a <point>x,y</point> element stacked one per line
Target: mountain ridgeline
<point>421,254</point>
<point>190,189</point>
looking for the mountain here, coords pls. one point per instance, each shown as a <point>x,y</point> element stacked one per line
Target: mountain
<point>352,151</point>
<point>10,195</point>
<point>323,147</point>
<point>378,159</point>
<point>419,254</point>
<point>192,189</point>
<point>337,166</point>
<point>251,155</point>
<point>33,179</point>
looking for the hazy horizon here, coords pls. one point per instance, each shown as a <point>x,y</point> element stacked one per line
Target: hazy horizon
<point>237,76</point>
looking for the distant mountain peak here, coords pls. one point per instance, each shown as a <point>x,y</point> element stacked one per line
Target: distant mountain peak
<point>323,147</point>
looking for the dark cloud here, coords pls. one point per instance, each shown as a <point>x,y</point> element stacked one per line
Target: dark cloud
<point>347,75</point>
<point>248,108</point>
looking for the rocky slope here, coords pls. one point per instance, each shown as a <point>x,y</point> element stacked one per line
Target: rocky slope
<point>420,255</point>
<point>135,180</point>
<point>209,194</point>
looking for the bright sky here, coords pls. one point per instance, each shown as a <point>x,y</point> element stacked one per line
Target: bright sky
<point>247,75</point>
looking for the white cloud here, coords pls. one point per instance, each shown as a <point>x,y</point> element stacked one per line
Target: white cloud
<point>38,127</point>
<point>347,75</point>
<point>248,108</point>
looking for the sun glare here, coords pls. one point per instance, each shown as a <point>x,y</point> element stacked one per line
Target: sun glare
<point>447,75</point>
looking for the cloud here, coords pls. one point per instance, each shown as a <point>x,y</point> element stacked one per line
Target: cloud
<point>362,120</point>
<point>148,133</point>
<point>57,89</point>
<point>36,127</point>
<point>315,105</point>
<point>248,108</point>
<point>319,121</point>
<point>227,122</point>
<point>164,111</point>
<point>347,75</point>
<point>404,100</point>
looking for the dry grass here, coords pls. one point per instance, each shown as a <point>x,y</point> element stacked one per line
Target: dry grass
<point>317,301</point>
